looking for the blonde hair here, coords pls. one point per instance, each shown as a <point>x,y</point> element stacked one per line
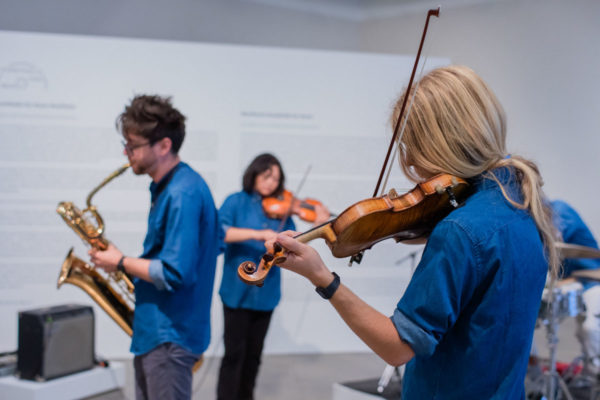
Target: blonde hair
<point>456,125</point>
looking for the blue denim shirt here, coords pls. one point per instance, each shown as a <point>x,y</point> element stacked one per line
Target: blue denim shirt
<point>470,308</point>
<point>244,210</point>
<point>182,244</point>
<point>573,230</point>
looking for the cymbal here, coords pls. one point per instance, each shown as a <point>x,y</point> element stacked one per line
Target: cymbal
<point>568,250</point>
<point>593,274</point>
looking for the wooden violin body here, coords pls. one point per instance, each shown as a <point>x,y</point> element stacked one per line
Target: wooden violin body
<point>401,217</point>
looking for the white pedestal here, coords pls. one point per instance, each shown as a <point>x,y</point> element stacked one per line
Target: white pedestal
<point>74,386</point>
<point>341,392</point>
<point>367,390</point>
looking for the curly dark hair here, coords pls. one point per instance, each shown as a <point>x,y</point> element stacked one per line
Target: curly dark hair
<point>154,118</point>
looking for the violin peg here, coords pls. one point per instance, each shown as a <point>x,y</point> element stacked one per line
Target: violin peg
<point>392,194</point>
<point>277,247</point>
<point>267,257</point>
<point>249,267</point>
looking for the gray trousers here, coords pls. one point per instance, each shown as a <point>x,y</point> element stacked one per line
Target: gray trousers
<point>164,373</point>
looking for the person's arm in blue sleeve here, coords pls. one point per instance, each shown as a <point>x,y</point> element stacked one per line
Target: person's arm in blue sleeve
<point>235,234</point>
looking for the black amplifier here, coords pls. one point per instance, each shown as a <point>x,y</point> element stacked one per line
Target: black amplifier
<point>55,341</point>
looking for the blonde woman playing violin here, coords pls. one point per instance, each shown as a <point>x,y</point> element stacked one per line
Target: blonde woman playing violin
<point>464,325</point>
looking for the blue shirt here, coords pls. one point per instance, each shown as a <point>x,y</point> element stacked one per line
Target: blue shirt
<point>573,230</point>
<point>470,308</point>
<point>182,244</point>
<point>244,210</point>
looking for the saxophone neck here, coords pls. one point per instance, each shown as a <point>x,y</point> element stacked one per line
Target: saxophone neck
<point>109,178</point>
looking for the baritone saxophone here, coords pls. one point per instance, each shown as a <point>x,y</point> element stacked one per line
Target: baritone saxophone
<point>113,292</point>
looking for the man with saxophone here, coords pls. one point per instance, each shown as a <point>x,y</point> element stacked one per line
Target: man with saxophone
<point>174,275</point>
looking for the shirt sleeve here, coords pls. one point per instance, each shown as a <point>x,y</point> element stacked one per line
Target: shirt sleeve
<point>571,226</point>
<point>441,286</point>
<point>289,225</point>
<point>573,230</point>
<point>227,213</point>
<point>179,254</point>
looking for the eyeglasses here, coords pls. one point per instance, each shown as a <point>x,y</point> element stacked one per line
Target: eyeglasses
<point>129,148</point>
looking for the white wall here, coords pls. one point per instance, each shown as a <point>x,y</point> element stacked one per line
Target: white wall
<point>59,96</point>
<point>542,59</point>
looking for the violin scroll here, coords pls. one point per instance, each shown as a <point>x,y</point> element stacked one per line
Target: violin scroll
<point>253,275</point>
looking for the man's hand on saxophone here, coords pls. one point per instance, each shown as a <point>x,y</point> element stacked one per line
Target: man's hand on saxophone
<point>110,258</point>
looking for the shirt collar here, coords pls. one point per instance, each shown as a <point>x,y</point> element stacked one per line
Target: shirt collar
<point>157,187</point>
<point>507,177</point>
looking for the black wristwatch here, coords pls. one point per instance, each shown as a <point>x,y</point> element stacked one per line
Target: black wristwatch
<point>120,266</point>
<point>327,292</point>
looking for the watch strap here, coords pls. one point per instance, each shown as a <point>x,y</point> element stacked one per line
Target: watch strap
<point>120,266</point>
<point>327,292</point>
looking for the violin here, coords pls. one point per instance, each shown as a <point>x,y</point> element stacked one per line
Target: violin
<point>286,204</point>
<point>400,217</point>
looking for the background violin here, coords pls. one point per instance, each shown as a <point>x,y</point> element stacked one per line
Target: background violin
<point>286,204</point>
<point>401,217</point>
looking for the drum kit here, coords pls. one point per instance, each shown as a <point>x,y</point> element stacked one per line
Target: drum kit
<point>561,300</point>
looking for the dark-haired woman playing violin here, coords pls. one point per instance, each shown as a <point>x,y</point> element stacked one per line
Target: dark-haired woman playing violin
<point>465,323</point>
<point>248,309</point>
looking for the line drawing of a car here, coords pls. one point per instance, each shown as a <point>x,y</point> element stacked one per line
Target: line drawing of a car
<point>22,75</point>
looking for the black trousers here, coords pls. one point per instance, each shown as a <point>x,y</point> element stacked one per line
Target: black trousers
<point>244,335</point>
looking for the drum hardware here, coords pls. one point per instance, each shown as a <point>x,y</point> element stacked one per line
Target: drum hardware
<point>553,380</point>
<point>565,299</point>
<point>388,373</point>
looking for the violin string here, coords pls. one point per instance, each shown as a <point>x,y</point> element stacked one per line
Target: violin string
<point>289,211</point>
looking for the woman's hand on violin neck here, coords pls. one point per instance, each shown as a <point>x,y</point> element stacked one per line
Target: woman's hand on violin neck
<point>302,259</point>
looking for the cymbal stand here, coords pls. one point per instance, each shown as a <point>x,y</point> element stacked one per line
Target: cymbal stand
<point>387,375</point>
<point>551,374</point>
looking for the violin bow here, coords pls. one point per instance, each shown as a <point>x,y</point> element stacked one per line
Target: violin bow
<point>289,211</point>
<point>357,258</point>
<point>436,13</point>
